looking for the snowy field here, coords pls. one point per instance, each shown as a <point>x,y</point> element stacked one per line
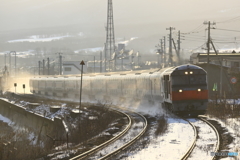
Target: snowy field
<point>232,126</point>
<point>171,145</point>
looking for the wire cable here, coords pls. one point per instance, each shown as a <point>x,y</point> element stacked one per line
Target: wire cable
<point>229,20</point>
<point>227,30</point>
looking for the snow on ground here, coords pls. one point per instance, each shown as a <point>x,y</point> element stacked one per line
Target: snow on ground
<point>38,39</point>
<point>134,130</point>
<point>19,130</point>
<point>206,142</point>
<point>229,50</point>
<point>5,120</point>
<point>171,145</point>
<point>232,125</point>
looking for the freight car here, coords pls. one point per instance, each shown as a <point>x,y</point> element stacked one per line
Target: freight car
<point>181,89</point>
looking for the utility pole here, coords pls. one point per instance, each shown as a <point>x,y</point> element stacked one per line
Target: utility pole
<point>60,58</point>
<point>43,67</point>
<point>60,64</point>
<point>161,45</point>
<point>175,49</point>
<point>179,42</point>
<point>179,47</point>
<point>209,38</point>
<point>48,66</point>
<point>164,50</point>
<point>208,48</point>
<point>170,44</point>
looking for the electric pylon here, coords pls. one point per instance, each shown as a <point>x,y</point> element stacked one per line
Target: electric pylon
<point>110,37</point>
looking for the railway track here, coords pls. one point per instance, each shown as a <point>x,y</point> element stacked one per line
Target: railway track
<point>134,130</point>
<point>136,127</point>
<point>205,133</point>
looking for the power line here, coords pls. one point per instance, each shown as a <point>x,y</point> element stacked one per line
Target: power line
<point>229,20</point>
<point>195,38</point>
<point>225,36</point>
<point>200,46</point>
<point>196,30</point>
<point>223,42</point>
<point>227,30</point>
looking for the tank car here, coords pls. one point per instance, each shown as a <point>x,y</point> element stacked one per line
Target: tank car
<point>181,89</point>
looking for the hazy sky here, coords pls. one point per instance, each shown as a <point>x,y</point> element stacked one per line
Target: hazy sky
<point>19,14</point>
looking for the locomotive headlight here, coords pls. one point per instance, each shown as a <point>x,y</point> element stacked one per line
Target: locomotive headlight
<point>191,72</point>
<point>199,90</point>
<point>186,72</point>
<point>180,90</point>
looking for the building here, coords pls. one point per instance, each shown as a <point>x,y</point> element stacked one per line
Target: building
<point>221,69</point>
<point>231,60</point>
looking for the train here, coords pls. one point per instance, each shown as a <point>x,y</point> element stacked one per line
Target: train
<point>181,89</point>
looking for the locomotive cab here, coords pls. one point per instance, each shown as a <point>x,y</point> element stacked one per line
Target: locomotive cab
<point>189,90</point>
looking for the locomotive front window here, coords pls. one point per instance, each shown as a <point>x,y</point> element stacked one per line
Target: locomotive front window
<point>180,80</point>
<point>188,79</point>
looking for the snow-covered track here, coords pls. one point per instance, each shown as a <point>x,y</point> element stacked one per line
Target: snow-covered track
<point>140,133</point>
<point>99,147</point>
<point>187,154</point>
<point>206,140</point>
<point>217,135</point>
<point>138,128</point>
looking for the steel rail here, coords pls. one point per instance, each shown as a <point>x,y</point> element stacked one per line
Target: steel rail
<point>216,132</point>
<point>130,142</point>
<point>194,142</point>
<point>187,154</point>
<point>83,155</point>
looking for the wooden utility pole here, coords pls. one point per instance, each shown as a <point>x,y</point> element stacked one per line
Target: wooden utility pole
<point>48,65</point>
<point>208,47</point>
<point>43,67</point>
<point>179,42</point>
<point>164,50</point>
<point>161,45</point>
<point>170,45</point>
